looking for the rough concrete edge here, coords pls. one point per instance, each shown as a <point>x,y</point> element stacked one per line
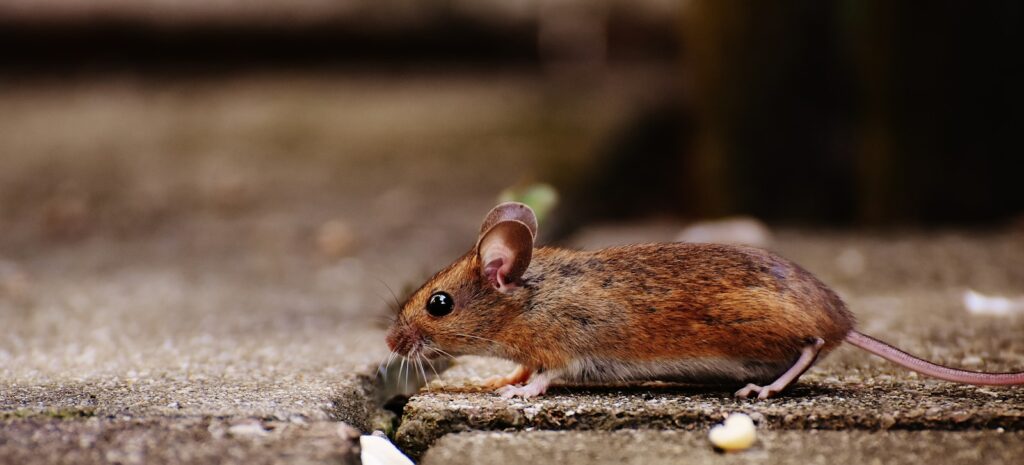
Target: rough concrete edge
<point>421,428</point>
<point>72,440</point>
<point>57,413</point>
<point>360,405</point>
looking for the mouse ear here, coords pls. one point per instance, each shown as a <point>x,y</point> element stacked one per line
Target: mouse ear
<point>505,245</point>
<point>510,211</point>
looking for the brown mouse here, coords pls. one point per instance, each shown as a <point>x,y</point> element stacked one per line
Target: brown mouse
<point>673,311</point>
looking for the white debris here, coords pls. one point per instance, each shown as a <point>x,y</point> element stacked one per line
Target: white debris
<point>376,450</point>
<point>737,433</point>
<point>249,428</point>
<point>980,304</point>
<point>734,230</point>
<point>971,360</point>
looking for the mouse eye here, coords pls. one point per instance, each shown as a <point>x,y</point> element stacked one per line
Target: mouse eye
<point>440,304</point>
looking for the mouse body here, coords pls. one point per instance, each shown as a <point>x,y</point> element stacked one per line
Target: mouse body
<point>699,313</point>
<point>674,311</point>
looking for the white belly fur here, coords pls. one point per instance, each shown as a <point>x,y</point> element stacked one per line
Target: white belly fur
<point>698,370</point>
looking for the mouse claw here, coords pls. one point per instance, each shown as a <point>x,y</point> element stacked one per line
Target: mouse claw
<point>506,392</point>
<point>747,390</point>
<point>763,392</point>
<point>767,392</point>
<point>526,392</point>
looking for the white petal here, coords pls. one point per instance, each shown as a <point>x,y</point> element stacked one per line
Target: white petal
<point>376,450</point>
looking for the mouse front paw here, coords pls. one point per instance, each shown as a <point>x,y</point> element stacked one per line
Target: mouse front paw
<point>520,375</point>
<point>526,392</point>
<point>538,386</point>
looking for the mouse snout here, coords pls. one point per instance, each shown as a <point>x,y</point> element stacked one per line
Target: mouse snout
<point>401,339</point>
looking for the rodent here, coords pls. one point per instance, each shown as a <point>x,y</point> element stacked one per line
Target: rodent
<point>670,311</point>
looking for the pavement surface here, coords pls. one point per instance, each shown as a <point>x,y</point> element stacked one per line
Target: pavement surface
<point>683,447</point>
<point>177,440</point>
<point>183,255</point>
<point>203,271</point>
<point>905,288</point>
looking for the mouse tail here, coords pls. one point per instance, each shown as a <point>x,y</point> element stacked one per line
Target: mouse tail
<point>925,367</point>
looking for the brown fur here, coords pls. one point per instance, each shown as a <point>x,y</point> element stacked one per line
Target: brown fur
<point>640,303</point>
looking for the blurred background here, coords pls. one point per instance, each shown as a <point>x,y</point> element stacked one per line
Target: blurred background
<point>324,146</point>
<point>121,115</point>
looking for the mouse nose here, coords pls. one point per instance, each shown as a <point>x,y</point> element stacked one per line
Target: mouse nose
<point>399,340</point>
<point>392,339</point>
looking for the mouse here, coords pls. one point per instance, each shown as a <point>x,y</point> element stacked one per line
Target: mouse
<point>687,312</point>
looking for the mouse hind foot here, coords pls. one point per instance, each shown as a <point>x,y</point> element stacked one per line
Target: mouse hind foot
<point>807,357</point>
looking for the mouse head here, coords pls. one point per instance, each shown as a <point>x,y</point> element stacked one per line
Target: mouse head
<point>462,309</point>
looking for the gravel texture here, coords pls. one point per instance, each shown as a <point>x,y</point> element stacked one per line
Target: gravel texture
<point>176,440</point>
<point>817,404</point>
<point>774,447</point>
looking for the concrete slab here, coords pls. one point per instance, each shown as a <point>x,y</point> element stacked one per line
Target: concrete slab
<point>133,342</point>
<point>175,251</point>
<point>96,440</point>
<point>775,447</point>
<point>817,404</point>
<point>848,390</point>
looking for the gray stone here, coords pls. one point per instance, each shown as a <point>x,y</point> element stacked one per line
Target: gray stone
<point>650,447</point>
<point>815,404</point>
<point>157,343</point>
<point>38,440</point>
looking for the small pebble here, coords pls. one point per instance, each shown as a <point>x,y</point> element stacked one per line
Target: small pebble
<point>735,434</point>
<point>996,305</point>
<point>971,360</point>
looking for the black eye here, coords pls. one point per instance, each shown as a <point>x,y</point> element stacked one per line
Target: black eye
<point>440,304</point>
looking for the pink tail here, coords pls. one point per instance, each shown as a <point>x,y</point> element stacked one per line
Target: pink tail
<point>925,367</point>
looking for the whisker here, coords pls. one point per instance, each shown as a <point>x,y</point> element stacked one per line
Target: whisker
<point>386,363</point>
<point>419,362</point>
<point>391,358</point>
<point>401,369</point>
<point>499,344</point>
<point>398,304</point>
<point>442,352</point>
<point>407,367</point>
<point>385,318</point>
<point>387,302</point>
<point>474,337</point>
<point>436,374</point>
